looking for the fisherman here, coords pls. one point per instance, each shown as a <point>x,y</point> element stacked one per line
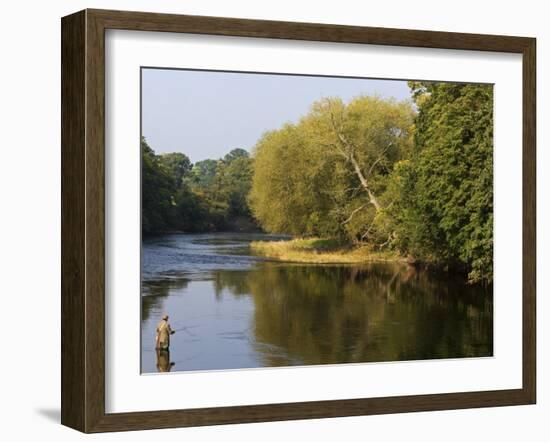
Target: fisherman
<point>163,334</point>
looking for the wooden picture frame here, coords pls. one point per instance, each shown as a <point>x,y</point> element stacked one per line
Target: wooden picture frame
<point>83,220</point>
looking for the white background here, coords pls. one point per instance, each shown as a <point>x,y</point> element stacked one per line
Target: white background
<point>30,217</point>
<point>128,391</point>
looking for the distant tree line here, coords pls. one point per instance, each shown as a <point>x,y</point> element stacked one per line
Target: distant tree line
<point>415,177</point>
<point>210,195</point>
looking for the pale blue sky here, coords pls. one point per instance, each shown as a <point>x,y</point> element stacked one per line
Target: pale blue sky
<point>206,114</point>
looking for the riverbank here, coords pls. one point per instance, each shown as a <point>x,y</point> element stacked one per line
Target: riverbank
<point>321,251</point>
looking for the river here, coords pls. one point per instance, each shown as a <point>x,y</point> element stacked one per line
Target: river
<point>231,309</point>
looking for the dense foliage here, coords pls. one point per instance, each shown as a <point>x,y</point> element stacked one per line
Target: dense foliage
<point>445,210</point>
<point>209,195</point>
<point>157,192</point>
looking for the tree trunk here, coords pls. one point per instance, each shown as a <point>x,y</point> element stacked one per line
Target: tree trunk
<point>364,183</point>
<point>347,152</point>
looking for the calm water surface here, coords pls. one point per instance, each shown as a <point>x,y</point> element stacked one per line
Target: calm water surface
<point>231,309</point>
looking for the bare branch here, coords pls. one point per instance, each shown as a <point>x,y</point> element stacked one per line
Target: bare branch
<point>391,236</point>
<point>364,182</point>
<point>335,147</point>
<point>367,232</point>
<point>353,212</point>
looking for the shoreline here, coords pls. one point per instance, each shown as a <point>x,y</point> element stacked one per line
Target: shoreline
<point>321,251</point>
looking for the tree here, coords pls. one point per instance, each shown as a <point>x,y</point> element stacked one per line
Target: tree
<point>233,182</point>
<point>235,154</point>
<point>290,181</point>
<point>203,173</point>
<point>177,164</point>
<point>369,135</point>
<point>157,192</point>
<point>327,175</point>
<point>445,210</point>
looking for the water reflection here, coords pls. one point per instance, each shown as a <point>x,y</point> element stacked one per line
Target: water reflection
<point>324,315</point>
<point>275,314</point>
<point>163,361</point>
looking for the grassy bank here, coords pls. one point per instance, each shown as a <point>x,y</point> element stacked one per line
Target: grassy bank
<point>320,251</point>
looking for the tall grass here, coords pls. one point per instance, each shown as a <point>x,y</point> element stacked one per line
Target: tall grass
<point>319,250</point>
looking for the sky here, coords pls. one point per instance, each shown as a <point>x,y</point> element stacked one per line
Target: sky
<point>206,114</point>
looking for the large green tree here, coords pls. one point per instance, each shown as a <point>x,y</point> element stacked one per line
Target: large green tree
<point>235,154</point>
<point>233,182</point>
<point>177,164</point>
<point>327,175</point>
<point>445,209</point>
<point>203,173</point>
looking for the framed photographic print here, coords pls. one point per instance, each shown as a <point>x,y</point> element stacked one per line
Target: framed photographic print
<point>270,220</point>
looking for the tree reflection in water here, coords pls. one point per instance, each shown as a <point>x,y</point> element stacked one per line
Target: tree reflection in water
<point>335,314</point>
<point>324,314</point>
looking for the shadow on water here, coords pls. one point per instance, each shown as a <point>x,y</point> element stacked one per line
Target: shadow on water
<point>278,314</point>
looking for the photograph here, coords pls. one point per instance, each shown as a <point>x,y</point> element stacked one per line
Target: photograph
<point>302,220</point>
